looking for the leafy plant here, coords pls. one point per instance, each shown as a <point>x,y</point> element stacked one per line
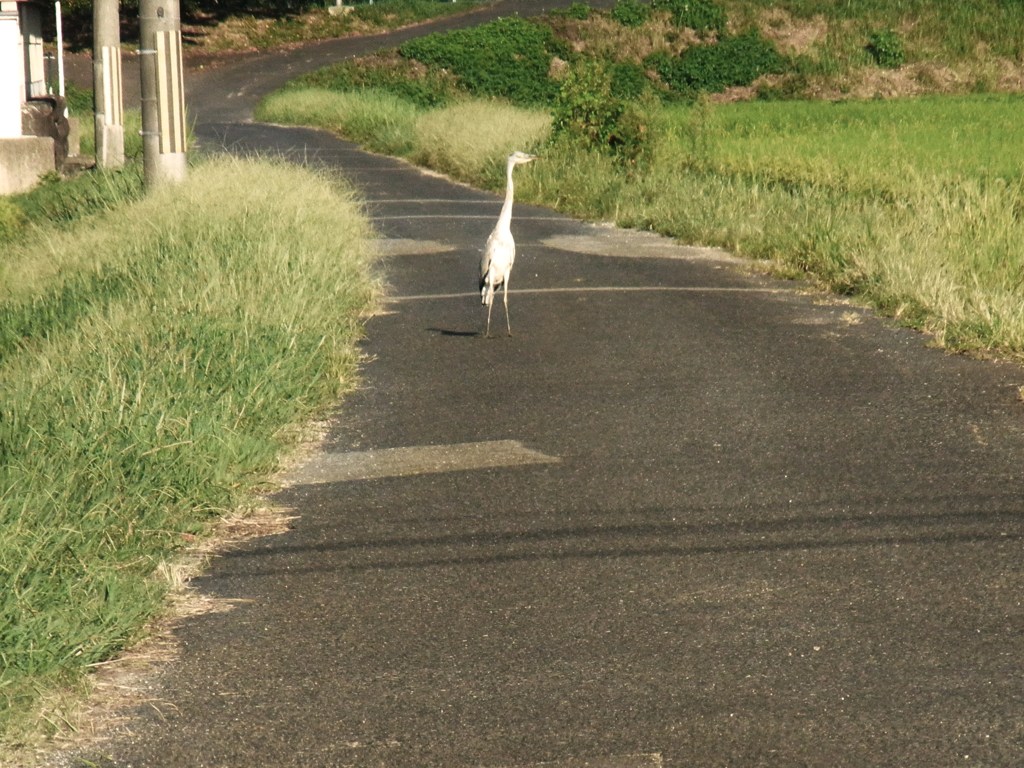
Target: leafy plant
<point>588,113</point>
<point>732,61</point>
<point>886,48</point>
<point>702,16</point>
<point>630,13</point>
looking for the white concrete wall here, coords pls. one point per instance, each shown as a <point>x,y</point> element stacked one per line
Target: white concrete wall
<point>12,70</point>
<point>23,161</point>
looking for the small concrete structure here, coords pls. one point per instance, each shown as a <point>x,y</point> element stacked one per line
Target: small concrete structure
<point>30,119</point>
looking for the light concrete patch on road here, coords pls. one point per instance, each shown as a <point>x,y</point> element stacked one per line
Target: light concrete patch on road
<point>416,460</point>
<point>647,760</point>
<point>633,243</point>
<point>409,247</point>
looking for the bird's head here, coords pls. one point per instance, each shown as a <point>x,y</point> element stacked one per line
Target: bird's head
<point>520,158</point>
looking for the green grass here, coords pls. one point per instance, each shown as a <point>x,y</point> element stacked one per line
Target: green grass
<point>866,144</point>
<point>155,361</point>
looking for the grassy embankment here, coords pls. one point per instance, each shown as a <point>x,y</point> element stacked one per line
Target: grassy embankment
<point>913,205</point>
<point>158,353</point>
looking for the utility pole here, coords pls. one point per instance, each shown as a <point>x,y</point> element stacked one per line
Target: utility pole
<point>163,93</point>
<point>108,100</point>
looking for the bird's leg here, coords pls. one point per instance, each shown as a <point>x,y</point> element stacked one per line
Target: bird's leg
<point>489,305</point>
<point>504,298</point>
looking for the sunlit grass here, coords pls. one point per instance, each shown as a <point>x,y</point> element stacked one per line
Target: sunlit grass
<point>863,144</point>
<point>380,120</point>
<point>443,140</point>
<point>154,363</point>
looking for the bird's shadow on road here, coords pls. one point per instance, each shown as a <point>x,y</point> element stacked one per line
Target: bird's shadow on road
<point>450,332</point>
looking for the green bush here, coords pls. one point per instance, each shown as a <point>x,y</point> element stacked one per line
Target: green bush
<point>702,16</point>
<point>733,61</point>
<point>588,113</point>
<point>886,48</point>
<point>630,13</point>
<point>629,80</point>
<point>508,58</point>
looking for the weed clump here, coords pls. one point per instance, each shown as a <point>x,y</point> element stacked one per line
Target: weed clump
<point>886,48</point>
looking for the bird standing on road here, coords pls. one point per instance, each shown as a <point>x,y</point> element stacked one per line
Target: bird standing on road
<point>500,251</point>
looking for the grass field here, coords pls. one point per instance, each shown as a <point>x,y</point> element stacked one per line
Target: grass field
<point>866,145</point>
<point>156,359</point>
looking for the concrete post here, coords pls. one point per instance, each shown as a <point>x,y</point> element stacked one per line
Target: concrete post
<point>163,93</point>
<point>107,91</point>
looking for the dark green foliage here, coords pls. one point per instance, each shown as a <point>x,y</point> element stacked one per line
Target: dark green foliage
<point>629,80</point>
<point>702,16</point>
<point>630,13</point>
<point>732,61</point>
<point>509,58</point>
<point>886,47</point>
<point>589,114</point>
<point>403,77</point>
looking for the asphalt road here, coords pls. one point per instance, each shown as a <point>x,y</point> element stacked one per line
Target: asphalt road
<point>685,516</point>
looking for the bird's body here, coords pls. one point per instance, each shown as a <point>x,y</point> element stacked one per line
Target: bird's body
<point>500,250</point>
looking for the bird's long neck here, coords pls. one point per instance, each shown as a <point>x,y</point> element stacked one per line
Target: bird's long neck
<point>505,219</point>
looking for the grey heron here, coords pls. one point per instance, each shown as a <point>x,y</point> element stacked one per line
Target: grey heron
<point>500,251</point>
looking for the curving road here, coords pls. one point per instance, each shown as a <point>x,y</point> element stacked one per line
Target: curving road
<point>685,516</point>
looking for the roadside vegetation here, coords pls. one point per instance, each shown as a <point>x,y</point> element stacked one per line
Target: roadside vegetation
<point>158,355</point>
<point>705,121</point>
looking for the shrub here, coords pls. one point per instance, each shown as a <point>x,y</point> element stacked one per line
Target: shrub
<point>629,80</point>
<point>589,114</point>
<point>733,61</point>
<point>507,57</point>
<point>630,13</point>
<point>886,48</point>
<point>702,16</point>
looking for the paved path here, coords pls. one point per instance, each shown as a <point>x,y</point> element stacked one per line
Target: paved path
<point>685,516</point>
